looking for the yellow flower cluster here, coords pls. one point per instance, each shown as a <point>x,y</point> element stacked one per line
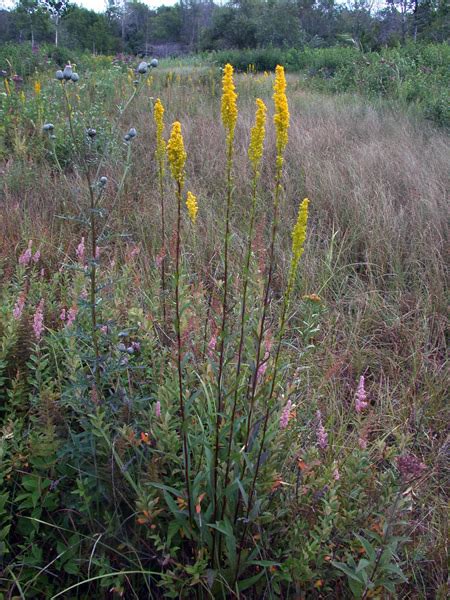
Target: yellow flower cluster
<point>176,154</point>
<point>158,116</point>
<point>256,147</point>
<point>192,206</point>
<point>37,88</point>
<point>299,233</point>
<point>229,97</point>
<point>281,117</point>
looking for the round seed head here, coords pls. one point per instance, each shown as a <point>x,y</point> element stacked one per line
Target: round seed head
<point>127,137</point>
<point>142,67</point>
<point>75,77</point>
<point>132,132</point>
<point>48,127</point>
<point>154,62</point>
<point>91,132</point>
<point>59,75</point>
<point>103,181</point>
<point>67,73</point>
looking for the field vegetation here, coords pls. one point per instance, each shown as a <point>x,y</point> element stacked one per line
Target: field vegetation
<point>222,337</point>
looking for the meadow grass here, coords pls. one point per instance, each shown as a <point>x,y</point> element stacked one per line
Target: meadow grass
<point>106,484</point>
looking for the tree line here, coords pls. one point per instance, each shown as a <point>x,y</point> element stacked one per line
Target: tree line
<point>202,25</point>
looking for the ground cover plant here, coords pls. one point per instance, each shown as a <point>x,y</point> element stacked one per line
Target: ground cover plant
<point>222,339</point>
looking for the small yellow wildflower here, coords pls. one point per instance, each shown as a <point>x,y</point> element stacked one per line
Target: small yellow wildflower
<point>299,233</point>
<point>158,116</point>
<point>192,206</point>
<point>176,153</point>
<point>229,97</point>
<point>37,88</point>
<point>7,88</point>
<point>256,147</point>
<point>22,97</point>
<point>281,117</point>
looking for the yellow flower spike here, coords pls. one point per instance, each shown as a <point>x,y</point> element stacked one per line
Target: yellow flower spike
<point>299,233</point>
<point>192,206</point>
<point>229,108</point>
<point>37,88</point>
<point>256,147</point>
<point>298,240</point>
<point>176,154</point>
<point>281,117</point>
<point>158,116</point>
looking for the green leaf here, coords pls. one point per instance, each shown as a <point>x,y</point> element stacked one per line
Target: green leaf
<point>244,584</point>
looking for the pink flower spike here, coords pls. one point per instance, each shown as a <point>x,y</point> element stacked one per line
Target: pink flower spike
<point>361,396</point>
<point>38,320</point>
<point>158,409</point>
<point>19,305</point>
<point>71,316</point>
<point>336,475</point>
<point>37,256</point>
<point>212,345</point>
<point>62,314</point>
<point>97,253</point>
<point>362,442</point>
<point>284,419</point>
<point>322,436</point>
<point>81,248</point>
<point>25,257</point>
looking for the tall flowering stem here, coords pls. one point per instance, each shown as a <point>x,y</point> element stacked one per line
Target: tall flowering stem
<point>281,121</point>
<point>255,153</point>
<point>93,205</point>
<point>298,240</point>
<point>160,154</point>
<point>229,113</point>
<point>176,156</point>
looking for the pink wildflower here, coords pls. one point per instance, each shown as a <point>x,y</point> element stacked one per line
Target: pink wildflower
<point>42,273</point>
<point>158,409</point>
<point>212,345</point>
<point>104,329</point>
<point>71,316</point>
<point>62,314</point>
<point>38,320</point>
<point>410,466</point>
<point>81,248</point>
<point>336,475</point>
<point>25,257</point>
<point>133,252</point>
<point>18,307</point>
<point>361,396</point>
<point>322,436</point>
<point>362,441</point>
<point>284,419</point>
<point>97,253</point>
<point>37,256</point>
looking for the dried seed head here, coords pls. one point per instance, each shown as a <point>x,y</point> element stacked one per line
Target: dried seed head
<point>75,77</point>
<point>142,67</point>
<point>67,73</point>
<point>59,75</point>
<point>132,132</point>
<point>48,127</point>
<point>154,62</point>
<point>103,181</point>
<point>91,132</point>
